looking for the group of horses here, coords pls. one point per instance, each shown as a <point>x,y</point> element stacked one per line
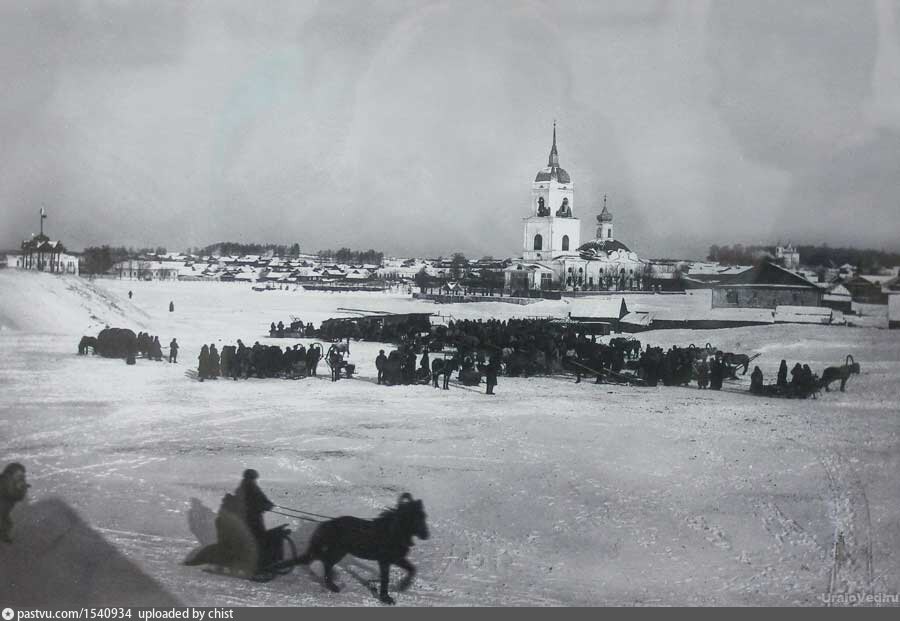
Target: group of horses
<point>110,343</point>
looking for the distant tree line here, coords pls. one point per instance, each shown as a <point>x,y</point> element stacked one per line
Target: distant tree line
<point>863,259</point>
<point>738,254</point>
<point>346,255</point>
<point>99,259</point>
<point>241,249</point>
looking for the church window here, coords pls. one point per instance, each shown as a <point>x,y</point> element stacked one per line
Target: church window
<point>538,242</point>
<point>565,242</point>
<point>546,281</point>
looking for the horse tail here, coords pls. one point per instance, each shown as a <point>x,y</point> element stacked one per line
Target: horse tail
<point>849,360</point>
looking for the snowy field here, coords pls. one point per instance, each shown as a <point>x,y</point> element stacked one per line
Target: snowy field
<point>548,493</point>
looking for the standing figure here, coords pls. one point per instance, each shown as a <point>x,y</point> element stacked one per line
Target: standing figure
<point>129,295</point>
<point>796,376</point>
<point>380,363</point>
<point>173,351</point>
<point>756,381</point>
<point>171,307</point>
<point>702,374</point>
<point>213,362</point>
<point>491,372</point>
<point>334,360</point>
<point>203,360</point>
<point>716,372</point>
<point>13,489</point>
<point>782,374</point>
<point>312,360</point>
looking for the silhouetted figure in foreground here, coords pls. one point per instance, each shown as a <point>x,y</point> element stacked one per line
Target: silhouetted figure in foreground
<point>13,488</point>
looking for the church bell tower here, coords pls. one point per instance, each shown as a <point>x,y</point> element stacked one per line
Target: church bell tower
<point>552,229</point>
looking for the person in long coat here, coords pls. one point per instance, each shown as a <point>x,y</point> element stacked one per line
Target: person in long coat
<point>716,373</point>
<point>173,351</point>
<point>491,372</point>
<point>213,362</point>
<point>782,374</point>
<point>203,366</point>
<point>254,503</point>
<point>756,381</point>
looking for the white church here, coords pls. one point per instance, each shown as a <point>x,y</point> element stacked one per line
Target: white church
<point>553,256</point>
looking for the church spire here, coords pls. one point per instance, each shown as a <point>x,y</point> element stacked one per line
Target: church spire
<point>554,156</point>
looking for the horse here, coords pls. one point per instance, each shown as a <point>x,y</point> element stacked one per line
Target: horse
<point>85,343</point>
<point>386,539</point>
<point>443,367</point>
<point>736,360</point>
<point>843,373</point>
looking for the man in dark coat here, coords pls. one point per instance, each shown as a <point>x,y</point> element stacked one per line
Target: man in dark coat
<point>380,363</point>
<point>253,503</point>
<point>13,489</point>
<point>490,372</point>
<point>716,373</point>
<point>312,359</point>
<point>173,351</point>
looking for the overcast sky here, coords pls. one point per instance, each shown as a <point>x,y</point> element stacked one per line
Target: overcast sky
<point>417,127</point>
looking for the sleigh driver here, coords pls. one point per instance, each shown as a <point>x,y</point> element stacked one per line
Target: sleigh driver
<point>242,541</point>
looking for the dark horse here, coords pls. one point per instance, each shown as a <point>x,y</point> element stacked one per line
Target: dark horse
<point>87,342</point>
<point>386,539</point>
<point>443,367</point>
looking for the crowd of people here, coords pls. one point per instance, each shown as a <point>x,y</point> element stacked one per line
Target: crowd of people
<point>485,349</point>
<point>149,347</point>
<point>376,328</point>
<point>240,361</point>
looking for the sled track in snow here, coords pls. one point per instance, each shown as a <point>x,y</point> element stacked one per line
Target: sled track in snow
<point>851,557</point>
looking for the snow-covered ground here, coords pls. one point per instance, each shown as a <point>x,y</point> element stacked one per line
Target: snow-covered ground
<point>547,493</point>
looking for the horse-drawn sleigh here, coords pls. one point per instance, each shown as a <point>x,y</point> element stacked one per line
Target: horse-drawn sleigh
<point>386,539</point>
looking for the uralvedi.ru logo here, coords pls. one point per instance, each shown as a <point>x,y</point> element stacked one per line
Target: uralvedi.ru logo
<point>850,599</point>
<point>8,614</point>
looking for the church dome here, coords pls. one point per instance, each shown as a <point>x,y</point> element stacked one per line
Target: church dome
<point>604,216</point>
<point>602,247</point>
<point>553,173</point>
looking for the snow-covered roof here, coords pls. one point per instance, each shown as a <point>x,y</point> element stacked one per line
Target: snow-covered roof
<point>803,314</point>
<point>638,318</point>
<point>838,291</point>
<point>534,267</point>
<point>600,306</point>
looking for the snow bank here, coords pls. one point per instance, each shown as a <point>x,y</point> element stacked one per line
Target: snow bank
<point>45,303</point>
<point>57,560</point>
